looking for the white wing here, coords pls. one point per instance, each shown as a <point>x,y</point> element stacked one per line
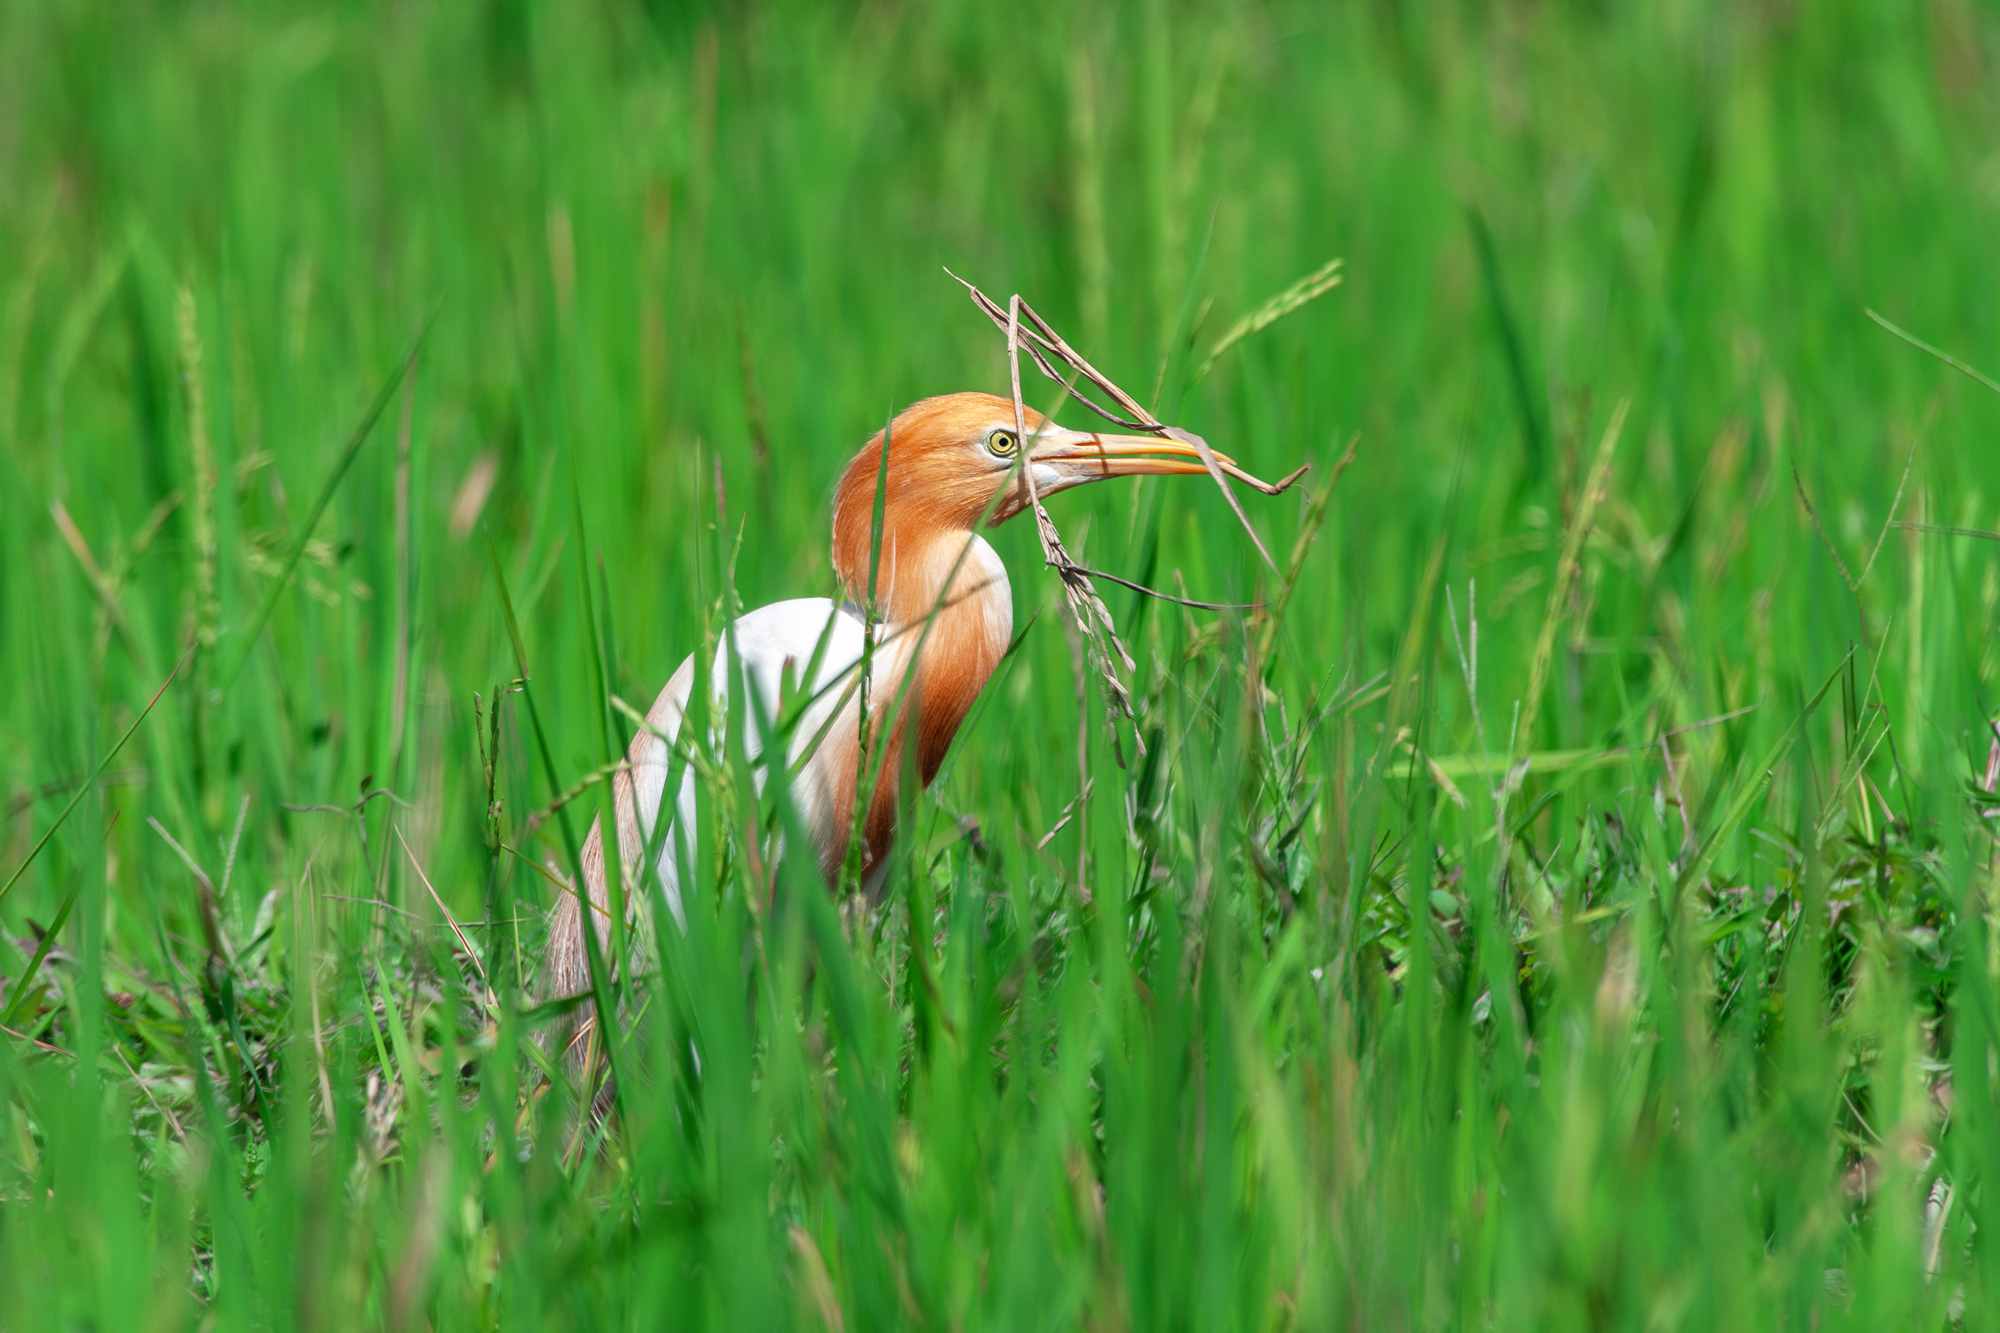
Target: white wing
<point>770,641</point>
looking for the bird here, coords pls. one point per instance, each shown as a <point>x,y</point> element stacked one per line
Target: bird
<point>944,620</point>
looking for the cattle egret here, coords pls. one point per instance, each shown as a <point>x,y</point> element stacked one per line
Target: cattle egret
<point>953,460</point>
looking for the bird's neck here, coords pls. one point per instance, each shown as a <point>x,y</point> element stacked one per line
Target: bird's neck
<point>943,597</point>
<point>947,615</point>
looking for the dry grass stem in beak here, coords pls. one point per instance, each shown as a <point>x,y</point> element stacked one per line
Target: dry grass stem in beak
<point>1087,610</point>
<point>1043,343</point>
<point>1153,449</point>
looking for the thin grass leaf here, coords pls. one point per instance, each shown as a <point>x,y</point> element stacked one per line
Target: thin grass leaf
<point>88,785</point>
<point>1946,357</point>
<point>404,365</point>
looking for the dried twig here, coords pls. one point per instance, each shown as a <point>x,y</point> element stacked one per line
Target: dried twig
<point>1041,342</point>
<point>1087,572</point>
<point>354,809</point>
<point>1028,331</point>
<point>1086,608</point>
<point>471,954</point>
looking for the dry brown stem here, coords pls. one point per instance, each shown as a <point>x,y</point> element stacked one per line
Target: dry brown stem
<point>1026,330</point>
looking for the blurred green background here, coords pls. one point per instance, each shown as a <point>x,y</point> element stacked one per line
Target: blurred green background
<point>1316,1019</point>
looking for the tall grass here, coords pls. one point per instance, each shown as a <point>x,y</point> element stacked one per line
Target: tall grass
<point>1566,904</point>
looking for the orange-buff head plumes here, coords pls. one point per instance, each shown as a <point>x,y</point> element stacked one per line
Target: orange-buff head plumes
<point>950,460</point>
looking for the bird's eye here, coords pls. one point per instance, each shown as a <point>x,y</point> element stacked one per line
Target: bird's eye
<point>1002,443</point>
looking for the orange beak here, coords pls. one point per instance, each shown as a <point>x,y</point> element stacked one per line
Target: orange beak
<point>1081,457</point>
<point>1064,459</point>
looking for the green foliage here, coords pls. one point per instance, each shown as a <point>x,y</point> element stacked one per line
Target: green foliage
<point>1567,904</point>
